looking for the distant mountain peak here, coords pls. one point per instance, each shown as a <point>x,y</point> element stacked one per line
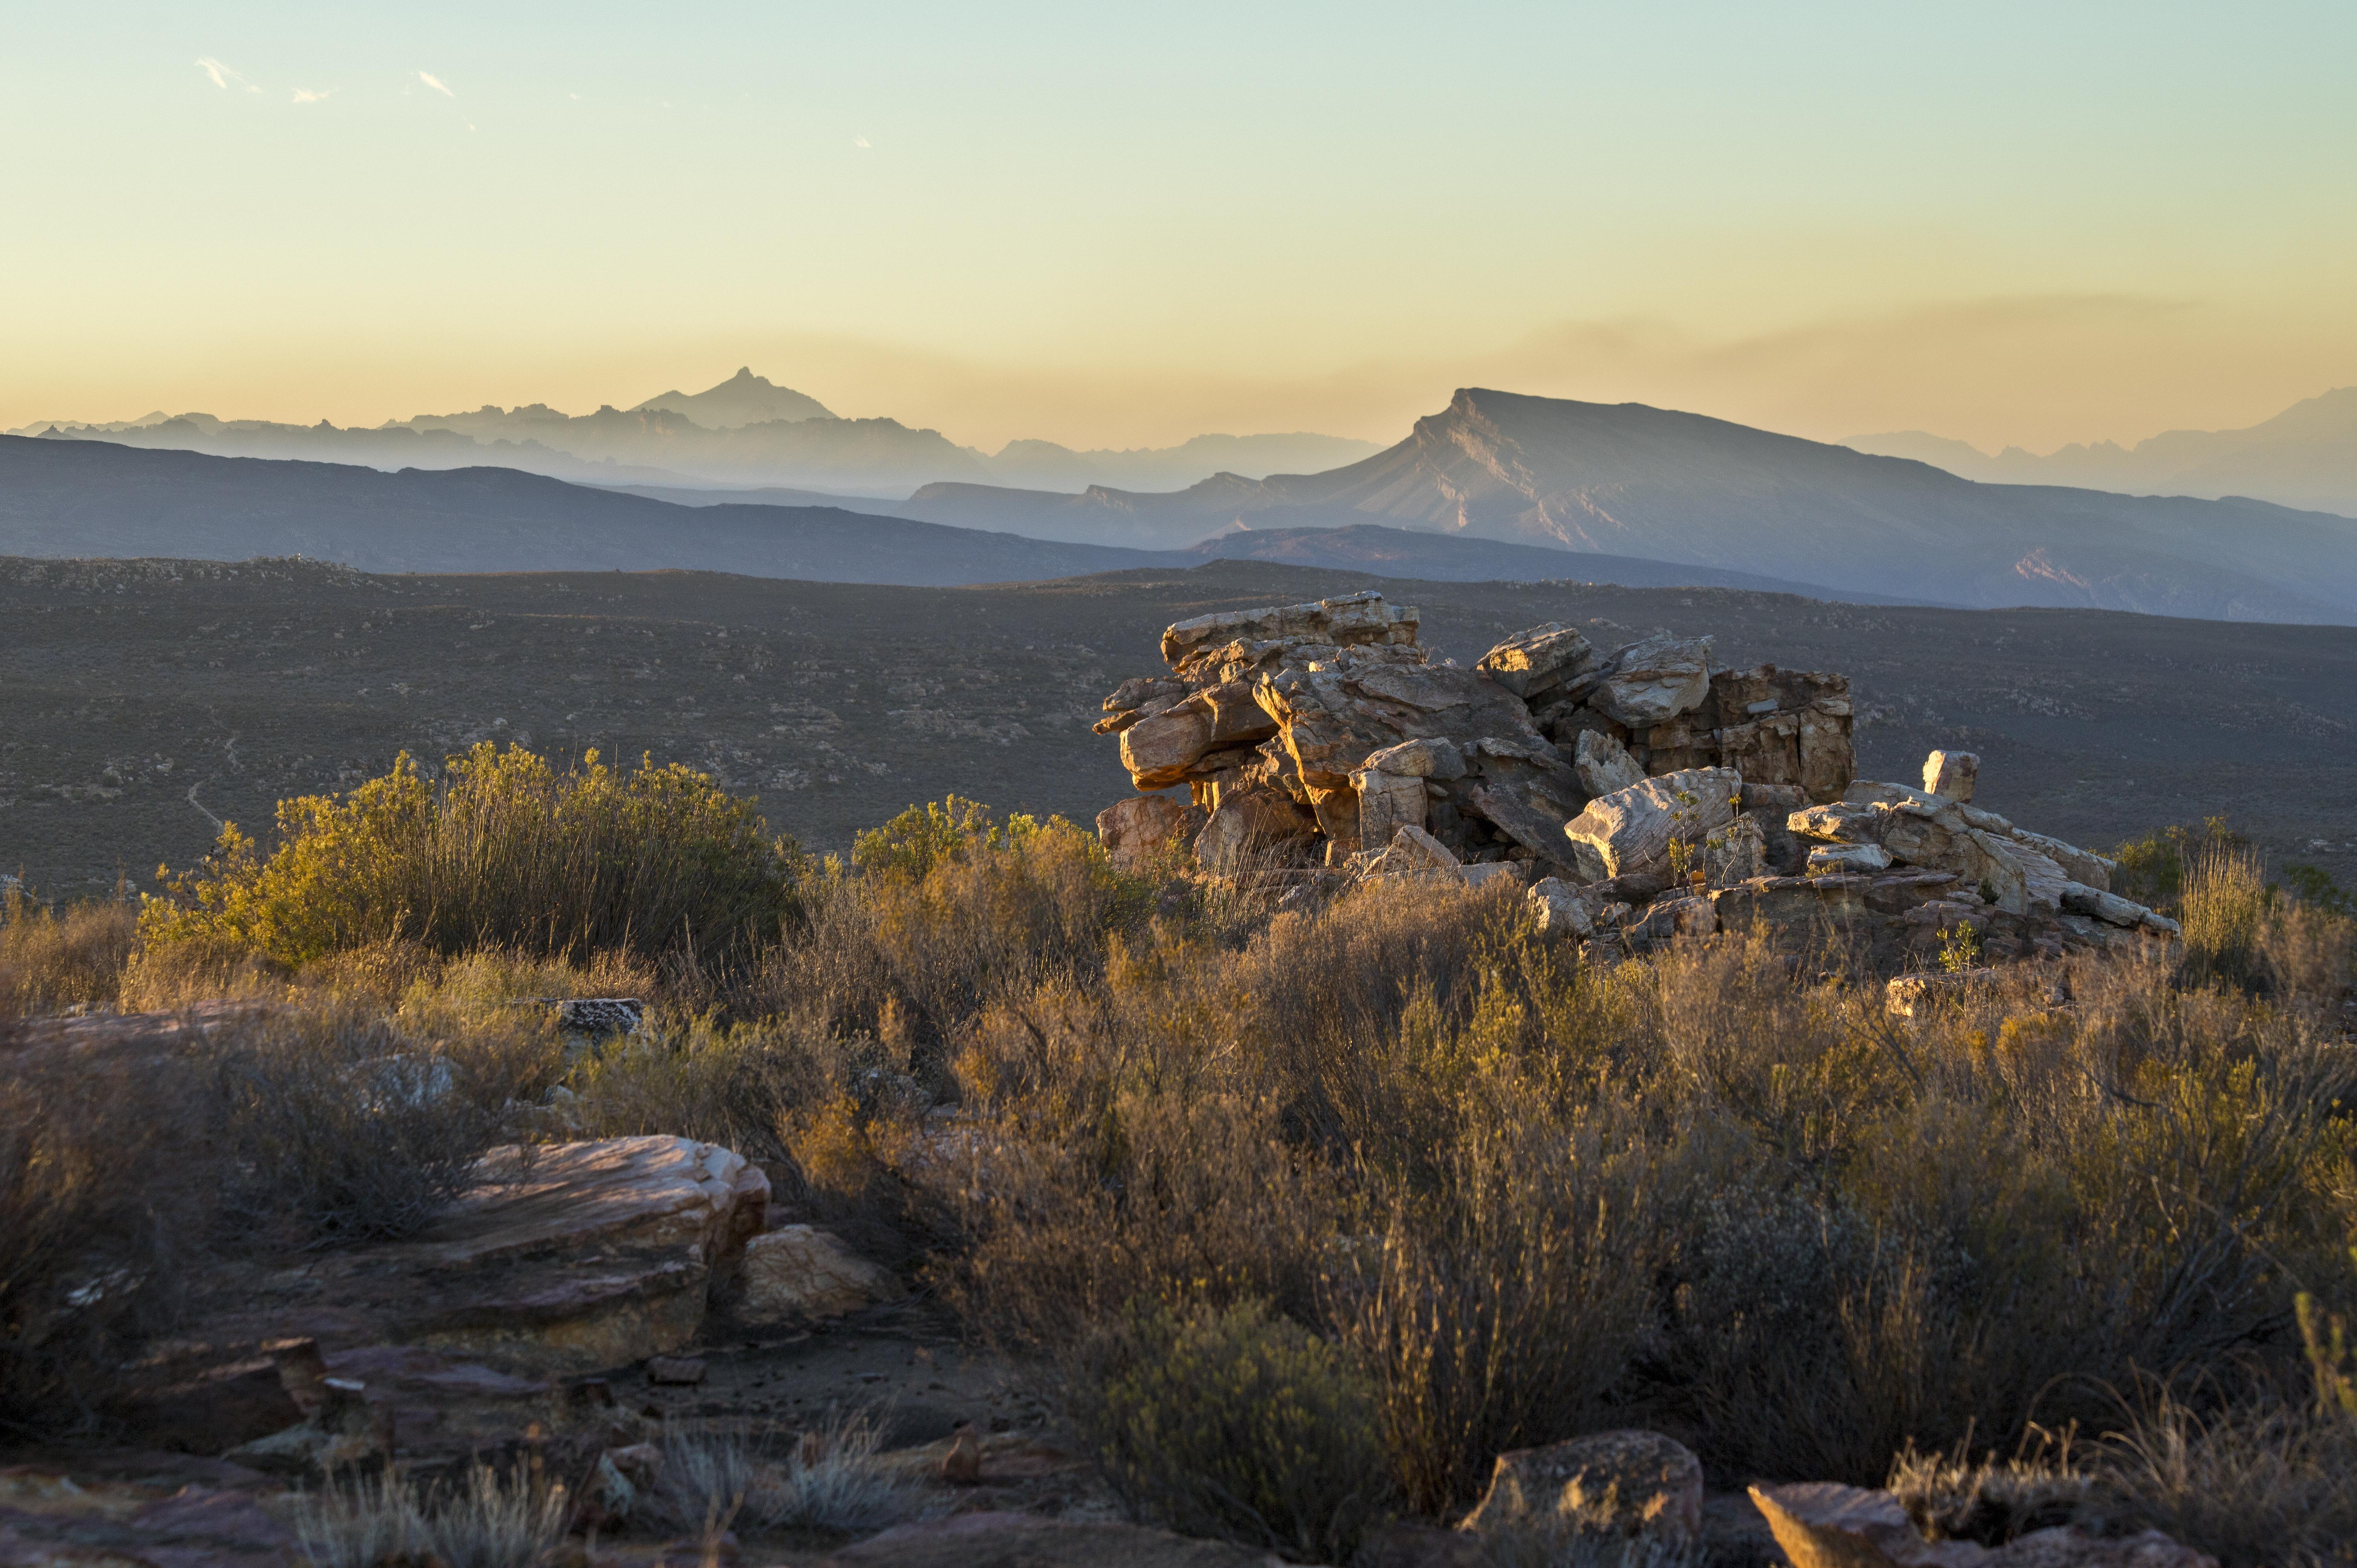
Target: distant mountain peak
<point>743,399</point>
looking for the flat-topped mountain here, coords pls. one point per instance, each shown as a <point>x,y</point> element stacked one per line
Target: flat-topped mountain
<point>1628,479</point>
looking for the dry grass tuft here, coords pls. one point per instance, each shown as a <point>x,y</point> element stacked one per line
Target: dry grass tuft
<point>51,961</point>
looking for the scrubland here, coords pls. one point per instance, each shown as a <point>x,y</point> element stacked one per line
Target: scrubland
<point>1304,1215</point>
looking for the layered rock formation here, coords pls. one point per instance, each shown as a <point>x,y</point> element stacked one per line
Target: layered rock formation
<point>1327,728</point>
<point>1641,793</point>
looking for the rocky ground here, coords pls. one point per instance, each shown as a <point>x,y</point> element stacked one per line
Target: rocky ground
<point>140,703</point>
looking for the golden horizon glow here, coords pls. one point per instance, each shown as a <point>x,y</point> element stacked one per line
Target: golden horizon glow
<point>2009,228</point>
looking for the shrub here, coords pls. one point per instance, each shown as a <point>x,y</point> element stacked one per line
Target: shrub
<point>90,1237</point>
<point>2154,869</point>
<point>51,961</point>
<point>1234,1424</point>
<point>503,853</point>
<point>341,1127</point>
<point>2226,904</point>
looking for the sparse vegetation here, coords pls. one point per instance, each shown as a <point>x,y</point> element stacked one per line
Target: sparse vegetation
<point>493,1521</point>
<point>828,1478</point>
<point>1236,1424</point>
<point>1382,1188</point>
<point>503,853</point>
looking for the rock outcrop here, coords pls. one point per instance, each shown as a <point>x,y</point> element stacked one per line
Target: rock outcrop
<point>1627,1485</point>
<point>1649,794</point>
<point>1320,731</point>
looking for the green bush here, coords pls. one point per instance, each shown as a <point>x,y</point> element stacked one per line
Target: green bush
<point>503,853</point>
<point>1237,1424</point>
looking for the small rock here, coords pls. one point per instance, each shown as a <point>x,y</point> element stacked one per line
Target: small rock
<point>1831,858</point>
<point>680,1371</point>
<point>798,1273</point>
<point>1951,774</point>
<point>1627,1484</point>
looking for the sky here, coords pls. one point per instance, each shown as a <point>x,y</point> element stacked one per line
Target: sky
<point>1121,225</point>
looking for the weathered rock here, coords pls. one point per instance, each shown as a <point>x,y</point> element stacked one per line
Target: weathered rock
<point>1137,829</point>
<point>1654,679</point>
<point>2112,910</point>
<point>1250,826</point>
<point>574,1257</point>
<point>1166,747</point>
<point>1736,853</point>
<point>2082,866</point>
<point>676,1371</point>
<point>1415,853</point>
<point>1542,834</point>
<point>1633,828</point>
<point>1539,661</point>
<point>1934,837</point>
<point>1794,912</point>
<point>1788,727</point>
<point>1839,823</point>
<point>1824,1525</point>
<point>1353,620</point>
<point>1434,757</point>
<point>1951,774</point>
<point>1495,874</point>
<point>1564,910</point>
<point>1387,803</point>
<point>1603,764</point>
<point>1826,858</point>
<point>1629,1484</point>
<point>799,1275</point>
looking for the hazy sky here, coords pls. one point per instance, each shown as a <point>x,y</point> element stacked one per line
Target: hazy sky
<point>1119,224</point>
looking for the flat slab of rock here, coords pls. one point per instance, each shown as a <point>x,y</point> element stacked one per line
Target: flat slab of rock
<point>1633,828</point>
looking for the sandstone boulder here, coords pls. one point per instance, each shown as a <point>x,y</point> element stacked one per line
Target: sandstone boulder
<point>1249,826</point>
<point>1415,853</point>
<point>1434,757</point>
<point>2082,866</point>
<point>1387,803</point>
<point>2114,910</point>
<point>1356,620</point>
<point>1137,829</point>
<point>1629,1484</point>
<point>1603,764</point>
<point>1825,1525</point>
<point>1541,661</point>
<point>1565,909</point>
<point>797,1274</point>
<point>1654,679</point>
<point>1633,828</point>
<point>1847,857</point>
<point>1789,728</point>
<point>1951,774</point>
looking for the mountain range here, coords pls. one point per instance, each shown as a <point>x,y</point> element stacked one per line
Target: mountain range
<point>2304,457</point>
<point>1629,479</point>
<point>745,432</point>
<point>1496,484</point>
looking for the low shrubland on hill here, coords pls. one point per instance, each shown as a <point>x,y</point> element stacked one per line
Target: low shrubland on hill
<point>1240,1176</point>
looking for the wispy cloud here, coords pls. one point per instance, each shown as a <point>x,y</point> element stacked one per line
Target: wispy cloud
<point>436,82</point>
<point>859,141</point>
<point>310,95</point>
<point>224,77</point>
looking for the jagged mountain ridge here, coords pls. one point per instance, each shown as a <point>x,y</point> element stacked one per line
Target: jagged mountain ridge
<point>2305,457</point>
<point>61,499</point>
<point>745,432</point>
<point>1629,479</point>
